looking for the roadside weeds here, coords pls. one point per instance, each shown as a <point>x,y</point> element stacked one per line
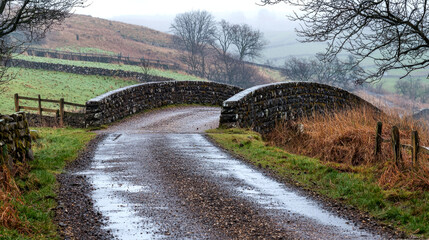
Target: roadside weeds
<point>36,200</point>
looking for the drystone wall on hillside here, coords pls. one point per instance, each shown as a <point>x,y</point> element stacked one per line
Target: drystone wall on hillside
<point>88,71</point>
<point>91,57</point>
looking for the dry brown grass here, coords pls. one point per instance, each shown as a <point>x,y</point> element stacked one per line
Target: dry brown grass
<point>346,141</point>
<point>10,195</point>
<point>127,39</point>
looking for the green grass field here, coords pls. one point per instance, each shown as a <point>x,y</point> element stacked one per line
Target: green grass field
<point>176,75</point>
<point>85,50</point>
<point>72,87</point>
<point>55,85</point>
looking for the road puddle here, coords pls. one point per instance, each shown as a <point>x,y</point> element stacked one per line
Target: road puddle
<point>108,197</point>
<point>132,208</point>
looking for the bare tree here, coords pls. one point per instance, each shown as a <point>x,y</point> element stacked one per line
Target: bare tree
<point>249,42</point>
<point>23,21</point>
<point>223,38</point>
<point>195,31</point>
<point>233,43</point>
<point>299,69</point>
<point>393,33</point>
<point>32,18</point>
<point>5,57</point>
<point>338,73</point>
<point>335,72</point>
<point>217,50</point>
<point>223,62</point>
<point>414,89</point>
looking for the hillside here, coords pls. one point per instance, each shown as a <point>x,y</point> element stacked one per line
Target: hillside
<point>86,34</point>
<point>83,33</point>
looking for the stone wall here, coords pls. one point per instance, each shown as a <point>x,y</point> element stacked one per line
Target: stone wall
<point>129,100</point>
<point>260,107</point>
<point>15,140</point>
<point>99,58</point>
<point>76,120</point>
<point>88,71</point>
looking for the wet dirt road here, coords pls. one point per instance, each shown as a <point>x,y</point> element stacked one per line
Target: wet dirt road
<point>157,176</point>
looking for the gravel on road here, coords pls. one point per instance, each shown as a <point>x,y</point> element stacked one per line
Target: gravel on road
<point>157,176</point>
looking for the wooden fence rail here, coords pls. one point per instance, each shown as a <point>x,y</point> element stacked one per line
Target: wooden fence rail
<point>40,110</point>
<point>415,147</point>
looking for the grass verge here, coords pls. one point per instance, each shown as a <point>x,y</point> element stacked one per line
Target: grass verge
<point>35,199</point>
<point>406,210</point>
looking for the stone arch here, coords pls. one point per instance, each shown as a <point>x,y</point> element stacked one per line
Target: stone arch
<point>260,107</point>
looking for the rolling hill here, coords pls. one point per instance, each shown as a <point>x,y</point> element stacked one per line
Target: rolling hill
<point>86,34</point>
<point>81,33</point>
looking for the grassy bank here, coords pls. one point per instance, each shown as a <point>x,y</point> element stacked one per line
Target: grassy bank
<point>32,200</point>
<point>407,210</point>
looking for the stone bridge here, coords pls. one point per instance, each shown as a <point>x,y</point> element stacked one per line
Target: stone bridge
<point>126,101</point>
<point>258,107</point>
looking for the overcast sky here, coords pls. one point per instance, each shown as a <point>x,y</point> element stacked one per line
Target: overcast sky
<point>159,14</point>
<point>113,8</point>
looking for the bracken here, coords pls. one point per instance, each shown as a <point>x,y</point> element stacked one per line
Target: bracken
<point>347,139</point>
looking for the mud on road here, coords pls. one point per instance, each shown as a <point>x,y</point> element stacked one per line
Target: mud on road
<point>157,176</point>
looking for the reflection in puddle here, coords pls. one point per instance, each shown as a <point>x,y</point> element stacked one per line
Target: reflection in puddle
<point>208,162</point>
<point>123,222</point>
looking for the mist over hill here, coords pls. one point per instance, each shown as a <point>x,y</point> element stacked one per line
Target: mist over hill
<point>278,30</point>
<point>264,20</point>
<point>150,37</point>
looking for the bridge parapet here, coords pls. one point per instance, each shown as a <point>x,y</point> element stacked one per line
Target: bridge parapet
<point>422,115</point>
<point>126,101</point>
<point>260,107</point>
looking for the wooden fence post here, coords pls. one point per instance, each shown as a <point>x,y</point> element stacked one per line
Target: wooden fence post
<point>40,107</point>
<point>415,150</point>
<point>16,98</point>
<point>396,146</point>
<point>61,112</point>
<point>378,138</point>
